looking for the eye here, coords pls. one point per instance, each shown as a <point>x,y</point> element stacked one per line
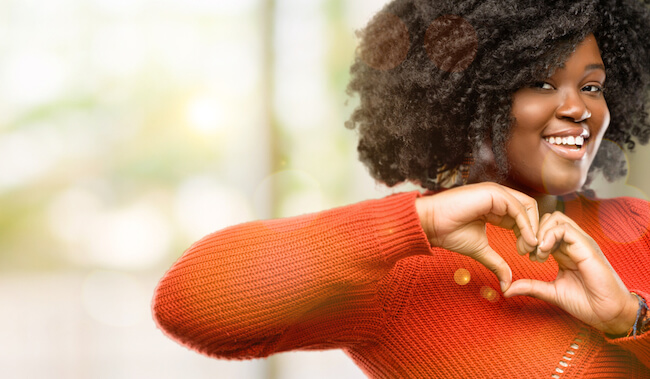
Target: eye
<point>542,85</point>
<point>592,88</point>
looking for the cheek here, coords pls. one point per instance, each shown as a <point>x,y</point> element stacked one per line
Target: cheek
<point>599,126</point>
<point>604,121</point>
<point>525,141</point>
<point>526,159</point>
<point>531,113</point>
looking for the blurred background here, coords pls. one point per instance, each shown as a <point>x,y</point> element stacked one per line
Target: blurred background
<point>131,128</point>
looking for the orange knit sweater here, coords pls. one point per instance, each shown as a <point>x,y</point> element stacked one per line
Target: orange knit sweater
<point>363,278</point>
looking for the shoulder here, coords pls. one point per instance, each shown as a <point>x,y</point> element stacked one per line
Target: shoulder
<point>619,207</point>
<point>620,218</point>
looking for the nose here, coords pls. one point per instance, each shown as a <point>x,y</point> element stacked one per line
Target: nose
<point>573,107</point>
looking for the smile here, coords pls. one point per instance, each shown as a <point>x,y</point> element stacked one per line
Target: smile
<point>568,147</point>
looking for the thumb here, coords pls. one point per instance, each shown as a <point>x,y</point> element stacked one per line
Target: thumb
<point>535,288</point>
<point>495,263</point>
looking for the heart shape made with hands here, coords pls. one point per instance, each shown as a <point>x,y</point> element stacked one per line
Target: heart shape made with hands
<point>586,285</point>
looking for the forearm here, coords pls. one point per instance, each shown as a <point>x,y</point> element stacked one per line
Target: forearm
<point>276,285</point>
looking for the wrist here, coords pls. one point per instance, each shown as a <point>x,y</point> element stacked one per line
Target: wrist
<point>633,320</point>
<point>627,318</point>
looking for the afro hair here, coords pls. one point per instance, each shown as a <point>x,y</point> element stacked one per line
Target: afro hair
<point>435,79</point>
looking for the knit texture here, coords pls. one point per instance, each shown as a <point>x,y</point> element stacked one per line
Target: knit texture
<point>363,278</point>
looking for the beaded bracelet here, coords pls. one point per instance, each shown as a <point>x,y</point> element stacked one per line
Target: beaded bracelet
<point>642,322</point>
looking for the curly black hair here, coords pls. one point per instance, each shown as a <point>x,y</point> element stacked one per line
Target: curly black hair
<point>435,78</point>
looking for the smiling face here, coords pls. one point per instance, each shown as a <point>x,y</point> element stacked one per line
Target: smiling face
<point>559,124</point>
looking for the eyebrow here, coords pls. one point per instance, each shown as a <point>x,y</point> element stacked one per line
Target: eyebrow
<point>589,67</point>
<point>595,66</point>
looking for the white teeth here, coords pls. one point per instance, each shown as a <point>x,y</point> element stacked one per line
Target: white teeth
<point>570,141</point>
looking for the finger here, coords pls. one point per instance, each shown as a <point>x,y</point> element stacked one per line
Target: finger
<point>574,245</point>
<point>544,219</point>
<point>535,288</point>
<point>550,220</point>
<point>522,247</point>
<point>534,254</point>
<point>546,247</point>
<point>521,213</point>
<point>495,263</point>
<point>530,205</point>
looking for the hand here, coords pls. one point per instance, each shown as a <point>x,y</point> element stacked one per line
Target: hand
<point>455,220</point>
<point>586,286</point>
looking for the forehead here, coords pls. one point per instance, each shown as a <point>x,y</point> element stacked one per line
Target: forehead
<point>586,56</point>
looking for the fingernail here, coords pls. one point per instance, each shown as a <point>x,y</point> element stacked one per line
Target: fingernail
<point>503,286</point>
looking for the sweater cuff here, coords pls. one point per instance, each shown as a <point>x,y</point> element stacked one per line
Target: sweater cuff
<point>639,346</point>
<point>398,228</point>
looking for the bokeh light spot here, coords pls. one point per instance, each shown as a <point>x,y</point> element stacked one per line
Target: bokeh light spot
<point>451,43</point>
<point>389,45</point>
<point>462,276</point>
<point>490,294</point>
<point>205,114</point>
<point>632,232</point>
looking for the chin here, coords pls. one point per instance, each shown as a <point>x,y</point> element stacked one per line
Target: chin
<point>563,187</point>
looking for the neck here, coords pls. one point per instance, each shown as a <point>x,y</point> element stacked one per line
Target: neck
<point>545,203</point>
<point>482,172</point>
<point>548,204</point>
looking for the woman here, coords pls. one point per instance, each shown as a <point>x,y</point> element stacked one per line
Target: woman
<point>505,102</point>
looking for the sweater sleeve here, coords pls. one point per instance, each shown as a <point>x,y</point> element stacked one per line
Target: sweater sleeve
<point>307,282</point>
